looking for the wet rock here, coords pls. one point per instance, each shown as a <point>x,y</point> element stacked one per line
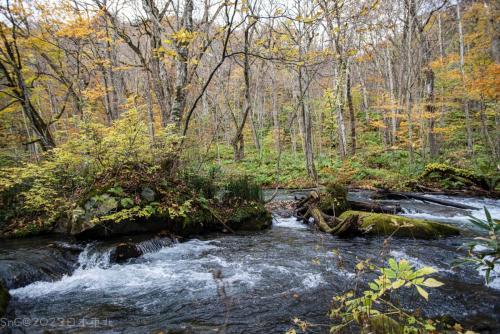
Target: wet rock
<point>28,260</point>
<point>4,299</point>
<point>101,205</point>
<point>385,224</point>
<point>123,252</point>
<point>81,218</point>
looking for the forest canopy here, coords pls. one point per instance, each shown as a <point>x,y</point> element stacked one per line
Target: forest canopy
<point>294,92</point>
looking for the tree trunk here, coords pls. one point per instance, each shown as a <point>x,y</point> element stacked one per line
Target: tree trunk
<point>465,101</point>
<point>181,80</point>
<point>352,118</point>
<point>305,121</point>
<point>430,110</point>
<point>340,112</point>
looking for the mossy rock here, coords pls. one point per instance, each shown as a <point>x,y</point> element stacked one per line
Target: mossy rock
<point>333,200</point>
<point>385,224</point>
<point>251,216</point>
<point>4,299</point>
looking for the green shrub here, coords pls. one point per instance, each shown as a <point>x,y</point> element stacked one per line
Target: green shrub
<point>243,187</point>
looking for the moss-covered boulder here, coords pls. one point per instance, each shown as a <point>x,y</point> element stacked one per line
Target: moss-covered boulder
<point>333,200</point>
<point>4,299</point>
<point>391,225</point>
<point>251,216</point>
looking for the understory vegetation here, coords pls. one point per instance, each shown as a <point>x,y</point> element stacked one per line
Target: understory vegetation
<point>116,171</point>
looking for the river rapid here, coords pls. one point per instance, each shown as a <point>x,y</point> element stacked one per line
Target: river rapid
<point>248,283</point>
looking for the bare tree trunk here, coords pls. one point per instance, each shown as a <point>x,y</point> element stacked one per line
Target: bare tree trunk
<point>238,140</point>
<point>340,110</point>
<point>305,120</point>
<point>275,112</point>
<point>181,80</point>
<point>430,109</point>
<point>352,119</point>
<point>486,133</point>
<point>465,100</point>
<point>394,110</point>
<point>366,105</point>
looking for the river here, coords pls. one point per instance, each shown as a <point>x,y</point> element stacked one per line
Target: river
<point>249,283</point>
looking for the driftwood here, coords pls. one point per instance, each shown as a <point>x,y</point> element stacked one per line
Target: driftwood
<point>375,207</point>
<point>308,208</point>
<point>403,195</point>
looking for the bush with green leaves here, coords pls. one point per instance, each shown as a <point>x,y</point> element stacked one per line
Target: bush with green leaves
<point>373,309</point>
<point>91,160</point>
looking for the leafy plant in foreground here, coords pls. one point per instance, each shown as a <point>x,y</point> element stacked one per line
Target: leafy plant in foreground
<point>373,310</point>
<point>484,251</point>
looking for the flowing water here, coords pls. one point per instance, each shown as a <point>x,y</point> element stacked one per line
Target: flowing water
<point>251,283</point>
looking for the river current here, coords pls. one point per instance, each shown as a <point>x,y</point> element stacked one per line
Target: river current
<point>251,283</point>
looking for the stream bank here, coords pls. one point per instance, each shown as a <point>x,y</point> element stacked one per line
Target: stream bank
<point>254,282</point>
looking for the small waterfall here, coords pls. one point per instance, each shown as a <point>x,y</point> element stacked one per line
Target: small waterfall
<point>93,256</point>
<point>154,245</point>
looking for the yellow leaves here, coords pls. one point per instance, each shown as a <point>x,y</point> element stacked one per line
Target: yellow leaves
<point>79,27</point>
<point>432,283</point>
<point>422,292</point>
<point>378,124</point>
<point>162,52</point>
<point>183,36</point>
<point>94,92</point>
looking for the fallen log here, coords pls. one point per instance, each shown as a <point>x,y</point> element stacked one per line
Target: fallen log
<point>379,224</point>
<point>403,195</point>
<point>352,223</point>
<point>309,208</point>
<point>375,207</point>
<point>465,176</point>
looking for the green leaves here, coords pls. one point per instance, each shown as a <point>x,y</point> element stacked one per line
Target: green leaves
<point>398,274</point>
<point>484,251</point>
<point>422,292</point>
<point>126,202</point>
<point>432,283</point>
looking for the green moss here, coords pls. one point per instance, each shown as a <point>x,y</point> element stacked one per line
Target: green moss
<point>4,299</point>
<point>334,199</point>
<point>384,224</point>
<point>252,216</point>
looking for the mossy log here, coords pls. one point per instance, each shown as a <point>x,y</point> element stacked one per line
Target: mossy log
<point>399,226</point>
<point>453,173</point>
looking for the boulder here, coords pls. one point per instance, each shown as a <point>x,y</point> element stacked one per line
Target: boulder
<point>123,252</point>
<point>252,216</point>
<point>399,226</point>
<point>148,194</point>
